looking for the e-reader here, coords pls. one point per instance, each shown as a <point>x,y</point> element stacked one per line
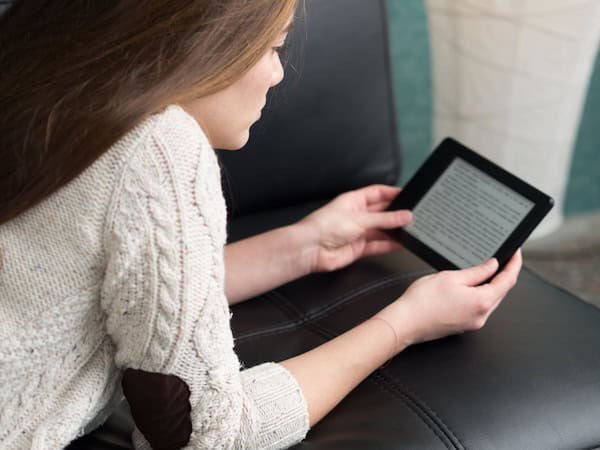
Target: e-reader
<point>466,209</point>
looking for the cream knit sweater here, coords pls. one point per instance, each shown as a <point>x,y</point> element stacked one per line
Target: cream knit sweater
<point>123,268</point>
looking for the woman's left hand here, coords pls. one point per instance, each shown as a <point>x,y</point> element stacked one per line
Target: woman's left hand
<point>350,227</point>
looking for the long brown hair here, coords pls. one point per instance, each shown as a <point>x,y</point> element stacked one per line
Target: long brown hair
<point>77,75</point>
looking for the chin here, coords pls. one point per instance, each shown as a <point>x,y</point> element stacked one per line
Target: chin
<point>236,142</point>
<point>243,139</point>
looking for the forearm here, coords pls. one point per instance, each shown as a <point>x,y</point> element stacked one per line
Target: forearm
<point>329,372</point>
<point>265,261</point>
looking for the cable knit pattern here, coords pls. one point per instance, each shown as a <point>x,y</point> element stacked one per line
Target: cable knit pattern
<point>123,268</point>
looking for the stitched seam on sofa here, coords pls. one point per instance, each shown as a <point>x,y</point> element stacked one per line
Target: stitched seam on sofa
<point>413,396</point>
<point>384,384</point>
<point>389,387</point>
<point>391,384</point>
<point>402,393</point>
<point>277,298</point>
<point>411,401</point>
<point>336,304</point>
<point>419,407</point>
<point>342,299</point>
<point>291,311</point>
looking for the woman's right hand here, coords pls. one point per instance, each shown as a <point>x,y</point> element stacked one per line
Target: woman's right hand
<point>450,302</point>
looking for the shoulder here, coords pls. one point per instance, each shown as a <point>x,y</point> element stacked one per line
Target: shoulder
<point>167,161</point>
<point>175,125</point>
<point>169,142</point>
<point>171,131</point>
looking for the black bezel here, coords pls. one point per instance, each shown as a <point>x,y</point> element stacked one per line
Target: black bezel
<point>433,168</point>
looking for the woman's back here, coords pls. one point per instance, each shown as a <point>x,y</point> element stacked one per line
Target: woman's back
<point>98,250</point>
<point>53,341</point>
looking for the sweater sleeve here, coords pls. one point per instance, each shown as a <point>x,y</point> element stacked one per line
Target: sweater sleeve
<point>166,310</point>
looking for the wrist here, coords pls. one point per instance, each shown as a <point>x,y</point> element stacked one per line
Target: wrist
<point>302,251</point>
<point>396,348</point>
<point>398,318</point>
<point>308,244</point>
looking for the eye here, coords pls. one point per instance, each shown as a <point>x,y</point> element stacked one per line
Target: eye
<point>280,49</point>
<point>281,42</point>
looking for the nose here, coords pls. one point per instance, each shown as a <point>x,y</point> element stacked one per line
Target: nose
<point>278,72</point>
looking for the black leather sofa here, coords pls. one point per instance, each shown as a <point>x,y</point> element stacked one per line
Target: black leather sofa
<point>530,379</point>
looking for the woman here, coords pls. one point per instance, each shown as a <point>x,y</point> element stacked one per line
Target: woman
<point>112,233</point>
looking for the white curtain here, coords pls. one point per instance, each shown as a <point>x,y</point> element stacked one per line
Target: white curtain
<point>510,79</point>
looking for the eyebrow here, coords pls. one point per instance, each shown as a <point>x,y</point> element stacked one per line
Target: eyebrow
<point>289,28</point>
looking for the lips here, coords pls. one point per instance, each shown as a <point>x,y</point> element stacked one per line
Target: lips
<point>260,110</point>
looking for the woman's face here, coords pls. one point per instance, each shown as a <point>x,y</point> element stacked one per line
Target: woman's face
<point>226,116</point>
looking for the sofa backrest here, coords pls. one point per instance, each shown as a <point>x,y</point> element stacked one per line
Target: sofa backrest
<point>330,125</point>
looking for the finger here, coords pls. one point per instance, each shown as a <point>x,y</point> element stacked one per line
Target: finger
<point>379,206</point>
<point>504,280</point>
<point>507,278</point>
<point>377,193</point>
<point>510,273</point>
<point>478,274</point>
<point>386,220</point>
<point>515,263</point>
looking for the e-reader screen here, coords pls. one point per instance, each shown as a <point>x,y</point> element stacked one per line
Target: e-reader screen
<point>467,215</point>
<point>466,209</point>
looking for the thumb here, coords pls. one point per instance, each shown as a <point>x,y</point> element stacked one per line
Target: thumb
<point>478,274</point>
<point>387,220</point>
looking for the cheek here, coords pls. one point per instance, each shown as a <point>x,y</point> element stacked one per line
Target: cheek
<point>252,94</point>
<point>251,97</point>
<point>260,78</point>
